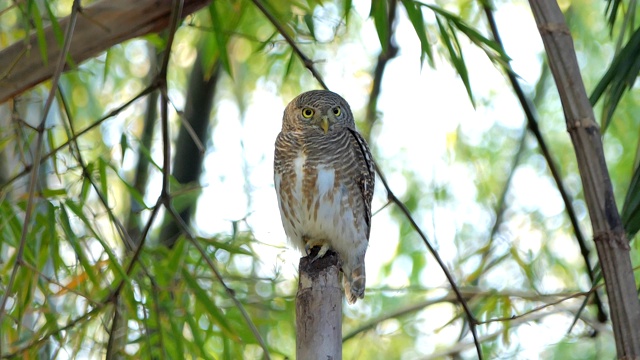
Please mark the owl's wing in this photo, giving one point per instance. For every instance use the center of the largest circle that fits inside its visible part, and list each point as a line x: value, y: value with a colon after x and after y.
x: 365, y: 175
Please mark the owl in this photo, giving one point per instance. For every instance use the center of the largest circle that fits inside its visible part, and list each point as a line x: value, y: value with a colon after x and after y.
x: 324, y: 179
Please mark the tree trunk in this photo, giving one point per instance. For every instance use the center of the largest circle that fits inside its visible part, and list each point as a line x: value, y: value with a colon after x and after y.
x: 319, y: 308
x: 608, y: 232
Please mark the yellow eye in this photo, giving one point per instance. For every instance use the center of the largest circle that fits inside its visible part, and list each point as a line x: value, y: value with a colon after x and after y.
x: 337, y: 111
x: 307, y: 113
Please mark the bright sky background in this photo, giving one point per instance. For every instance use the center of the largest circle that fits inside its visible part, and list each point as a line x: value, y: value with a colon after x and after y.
x: 421, y: 110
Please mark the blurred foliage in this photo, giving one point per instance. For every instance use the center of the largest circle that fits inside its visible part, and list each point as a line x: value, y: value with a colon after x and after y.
x: 75, y: 255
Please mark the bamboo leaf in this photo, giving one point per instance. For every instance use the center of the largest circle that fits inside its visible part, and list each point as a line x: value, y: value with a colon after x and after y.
x: 414, y: 12
x: 124, y: 146
x: 287, y: 70
x: 308, y: 20
x: 346, y: 9
x: 47, y: 193
x: 209, y: 306
x: 104, y: 187
x: 619, y: 77
x: 55, y: 25
x: 379, y: 12
x: 37, y: 21
x: 219, y: 38
x: 233, y: 249
x: 612, y: 12
x: 631, y: 209
x: 77, y: 210
x: 74, y: 241
x: 455, y: 55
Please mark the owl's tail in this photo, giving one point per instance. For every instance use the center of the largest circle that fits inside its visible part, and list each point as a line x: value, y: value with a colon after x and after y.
x: 354, y: 284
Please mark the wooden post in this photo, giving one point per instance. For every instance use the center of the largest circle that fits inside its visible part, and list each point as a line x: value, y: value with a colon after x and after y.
x: 319, y: 308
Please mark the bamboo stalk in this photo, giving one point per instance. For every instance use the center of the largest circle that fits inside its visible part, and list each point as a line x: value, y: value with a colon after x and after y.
x: 99, y: 26
x: 319, y: 308
x: 609, y: 236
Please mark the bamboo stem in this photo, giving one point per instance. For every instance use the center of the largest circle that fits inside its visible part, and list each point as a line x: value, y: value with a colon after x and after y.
x: 610, y: 239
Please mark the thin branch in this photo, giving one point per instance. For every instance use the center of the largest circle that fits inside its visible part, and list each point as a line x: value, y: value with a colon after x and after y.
x: 75, y: 149
x: 45, y: 337
x: 55, y: 282
x: 38, y: 153
x: 403, y: 208
x: 532, y: 125
x: 461, y: 346
x: 218, y: 276
x: 398, y: 313
x: 113, y: 348
x: 538, y: 308
x: 388, y: 52
x: 114, y: 112
x: 308, y: 63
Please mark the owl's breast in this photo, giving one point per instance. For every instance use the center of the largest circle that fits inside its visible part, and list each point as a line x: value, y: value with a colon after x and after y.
x: 314, y: 203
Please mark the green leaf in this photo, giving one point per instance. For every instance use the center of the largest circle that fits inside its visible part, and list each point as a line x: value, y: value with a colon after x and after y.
x: 47, y: 193
x: 287, y: 70
x: 455, y: 55
x: 37, y: 21
x: 308, y: 20
x: 219, y: 38
x: 209, y: 306
x: 346, y: 9
x: 113, y: 259
x: 631, y: 208
x: 124, y: 146
x: 233, y: 249
x: 104, y: 186
x: 74, y: 241
x: 52, y: 145
x: 379, y: 12
x: 55, y: 25
x: 417, y: 20
x: 108, y: 58
x: 612, y: 12
x: 620, y: 77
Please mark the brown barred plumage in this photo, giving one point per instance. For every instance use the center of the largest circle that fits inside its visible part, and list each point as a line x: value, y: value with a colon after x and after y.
x: 324, y: 178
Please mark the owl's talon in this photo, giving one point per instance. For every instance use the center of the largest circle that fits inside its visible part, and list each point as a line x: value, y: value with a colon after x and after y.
x: 321, y: 253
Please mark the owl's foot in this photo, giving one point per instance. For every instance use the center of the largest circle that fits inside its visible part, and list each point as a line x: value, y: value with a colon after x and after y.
x: 324, y: 247
x: 323, y: 250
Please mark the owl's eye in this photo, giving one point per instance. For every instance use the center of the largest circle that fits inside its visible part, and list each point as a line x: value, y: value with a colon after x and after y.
x: 307, y: 113
x: 337, y: 111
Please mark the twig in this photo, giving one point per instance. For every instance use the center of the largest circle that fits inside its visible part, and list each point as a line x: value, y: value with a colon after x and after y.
x: 472, y: 320
x: 38, y: 153
x: 538, y: 308
x: 308, y: 63
x: 398, y: 313
x: 460, y: 346
x: 164, y: 198
x: 218, y: 276
x: 124, y: 235
x: 114, y: 112
x: 54, y: 281
x: 46, y: 336
x: 532, y: 125
x: 387, y: 53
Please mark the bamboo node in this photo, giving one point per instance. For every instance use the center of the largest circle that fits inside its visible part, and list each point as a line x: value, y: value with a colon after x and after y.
x: 612, y: 238
x: 551, y: 28
x: 580, y: 122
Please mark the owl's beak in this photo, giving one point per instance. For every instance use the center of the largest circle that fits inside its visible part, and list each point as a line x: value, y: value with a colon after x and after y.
x: 324, y: 124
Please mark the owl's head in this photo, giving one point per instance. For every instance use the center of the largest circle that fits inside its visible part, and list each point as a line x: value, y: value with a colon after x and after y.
x: 318, y: 112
